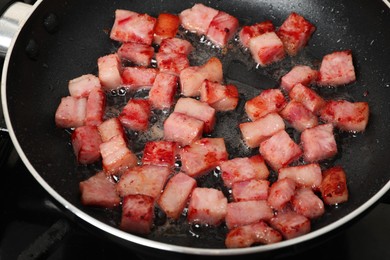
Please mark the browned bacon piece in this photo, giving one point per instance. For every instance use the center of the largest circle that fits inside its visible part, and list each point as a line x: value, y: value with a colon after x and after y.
x: 334, y: 188
x: 166, y: 27
x: 290, y: 224
x: 222, y: 28
x: 281, y: 192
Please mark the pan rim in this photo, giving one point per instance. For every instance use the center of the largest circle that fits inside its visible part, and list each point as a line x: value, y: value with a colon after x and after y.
x: 148, y: 242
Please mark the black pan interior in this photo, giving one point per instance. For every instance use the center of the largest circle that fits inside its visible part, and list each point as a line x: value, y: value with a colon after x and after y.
x: 45, y: 57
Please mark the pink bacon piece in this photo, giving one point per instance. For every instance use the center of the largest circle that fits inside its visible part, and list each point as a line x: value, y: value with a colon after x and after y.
x: 110, y: 69
x: 171, y: 62
x: 250, y: 190
x: 308, y: 175
x: 198, y: 18
x: 83, y: 85
x: 221, y: 97
x: 137, y: 53
x: 299, y: 116
x: 308, y: 97
x: 135, y: 114
x: 270, y: 100
x: 308, y: 204
x: 290, y: 224
x: 255, y: 211
x: 222, y: 28
x: 299, y: 74
x: 166, y: 27
x: 96, y: 105
x: 160, y: 153
x: 110, y: 128
x: 248, y: 32
x: 266, y: 48
x: 176, y: 45
x: 86, y: 141
x: 136, y: 78
x: 71, y: 112
x: 182, y: 128
x: 162, y: 93
x: 280, y: 193
x: 334, y: 188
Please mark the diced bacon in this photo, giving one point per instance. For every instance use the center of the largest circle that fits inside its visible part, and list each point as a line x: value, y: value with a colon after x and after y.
x: 345, y: 115
x: 133, y: 27
x: 96, y: 105
x: 176, y: 45
x: 299, y: 116
x: 248, y: 32
x: 334, y: 188
x: 337, y: 69
x: 162, y: 93
x: 202, y: 156
x: 207, y: 206
x: 137, y: 214
x: 85, y: 142
x: 243, y: 169
x: 222, y: 28
x: 135, y: 114
x: 280, y: 150
x: 257, y: 233
x: 171, y: 62
x: 99, y: 190
x: 83, y: 85
x: 221, y: 97
x: 308, y: 204
x: 291, y: 224
x: 318, y: 143
x: 197, y: 109
x: 260, y: 130
x: 298, y: 74
x: 159, y: 153
x: 71, y: 112
x: 266, y: 48
x: 191, y: 78
x: 295, y: 33
x: 270, y: 100
x: 138, y: 77
x: 308, y: 97
x: 116, y: 156
x: 110, y: 70
x: 280, y: 193
x: 146, y: 179
x: 250, y: 190
x: 308, y: 175
x: 166, y: 26
x: 255, y: 211
x: 111, y: 128
x: 137, y: 53
x: 198, y: 18
x: 175, y: 196
x: 182, y: 129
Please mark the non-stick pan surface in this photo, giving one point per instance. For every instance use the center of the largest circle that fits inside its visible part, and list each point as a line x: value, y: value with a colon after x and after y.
x: 63, y: 39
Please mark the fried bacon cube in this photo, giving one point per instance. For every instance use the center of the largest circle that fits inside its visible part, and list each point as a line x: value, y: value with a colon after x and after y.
x: 161, y: 153
x: 308, y: 97
x: 182, y: 128
x: 250, y: 190
x: 250, y: 31
x: 162, y: 93
x: 166, y: 27
x: 281, y: 192
x: 270, y: 100
x: 111, y: 128
x: 137, y: 53
x: 334, y: 188
x: 308, y: 204
x: 172, y: 62
x: 290, y: 224
x: 135, y: 114
x: 86, y: 141
x: 255, y: 210
x: 222, y: 28
x: 266, y: 48
x: 176, y: 45
x: 298, y: 74
x: 136, y: 78
x: 96, y: 105
x: 71, y: 112
x: 298, y: 116
x: 219, y: 96
x: 198, y: 18
x: 109, y: 71
x: 308, y: 175
x: 83, y: 85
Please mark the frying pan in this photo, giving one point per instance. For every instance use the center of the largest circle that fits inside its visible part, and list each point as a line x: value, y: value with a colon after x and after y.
x: 62, y: 40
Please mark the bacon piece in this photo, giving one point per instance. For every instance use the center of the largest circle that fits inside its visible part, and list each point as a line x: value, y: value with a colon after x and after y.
x: 255, y: 211
x: 182, y: 129
x: 270, y: 100
x: 299, y: 116
x: 207, y: 206
x: 171, y: 62
x: 221, y: 97
x: 290, y: 224
x: 250, y: 190
x: 260, y: 130
x: 257, y: 233
x: 136, y: 78
x: 298, y: 74
x: 222, y: 28
x: 308, y: 175
x: 110, y: 69
x: 176, y: 45
x: 248, y: 32
x: 197, y: 109
x: 85, y: 142
x: 280, y: 150
x: 135, y: 115
x: 96, y: 104
x: 306, y: 203
x: 99, y: 190
x: 202, y: 156
x: 161, y: 95
x: 176, y: 194
x: 137, y: 214
x: 71, y: 112
x: 146, y: 180
x: 308, y: 97
x: 281, y: 192
x: 318, y: 143
x: 198, y: 18
x: 160, y: 153
x: 334, y: 188
x: 117, y: 157
x: 345, y: 115
x: 191, y: 78
x: 83, y: 85
x: 337, y: 69
x: 166, y: 26
x: 111, y: 128
x: 266, y: 48
x: 242, y: 169
x: 139, y: 54
x: 132, y: 27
